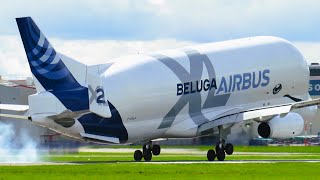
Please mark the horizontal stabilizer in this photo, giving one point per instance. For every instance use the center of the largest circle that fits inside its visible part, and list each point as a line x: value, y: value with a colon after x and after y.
x: 105, y: 139
x: 13, y: 116
x: 14, y: 107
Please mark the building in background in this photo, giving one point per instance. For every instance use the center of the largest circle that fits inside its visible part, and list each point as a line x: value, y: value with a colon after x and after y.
x: 314, y: 91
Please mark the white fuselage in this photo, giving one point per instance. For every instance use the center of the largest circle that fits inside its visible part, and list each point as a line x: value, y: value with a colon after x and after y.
x: 153, y: 93
x: 194, y: 91
x: 170, y: 94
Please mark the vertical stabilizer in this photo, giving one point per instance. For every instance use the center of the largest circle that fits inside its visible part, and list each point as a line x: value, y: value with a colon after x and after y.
x: 45, y: 63
x: 50, y: 72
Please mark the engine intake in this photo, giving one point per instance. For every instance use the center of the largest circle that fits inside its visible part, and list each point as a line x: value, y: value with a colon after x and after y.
x: 286, y: 127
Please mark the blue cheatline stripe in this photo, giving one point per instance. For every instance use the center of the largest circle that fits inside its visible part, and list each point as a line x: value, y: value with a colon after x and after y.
x: 46, y: 65
x: 111, y: 127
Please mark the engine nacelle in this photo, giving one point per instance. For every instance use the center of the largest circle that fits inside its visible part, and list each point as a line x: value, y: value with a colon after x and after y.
x: 287, y: 127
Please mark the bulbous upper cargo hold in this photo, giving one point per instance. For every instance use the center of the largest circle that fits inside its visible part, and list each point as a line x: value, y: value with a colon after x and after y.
x: 225, y: 67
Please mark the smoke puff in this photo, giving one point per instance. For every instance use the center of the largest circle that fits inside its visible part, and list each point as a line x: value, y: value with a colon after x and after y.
x: 17, y: 148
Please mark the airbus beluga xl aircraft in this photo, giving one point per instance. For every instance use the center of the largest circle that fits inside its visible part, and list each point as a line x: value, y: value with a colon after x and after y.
x: 183, y: 93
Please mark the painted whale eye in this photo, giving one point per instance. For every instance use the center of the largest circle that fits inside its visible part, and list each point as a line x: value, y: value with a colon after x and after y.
x: 277, y: 88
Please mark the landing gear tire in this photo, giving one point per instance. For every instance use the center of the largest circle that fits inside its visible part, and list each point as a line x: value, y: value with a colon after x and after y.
x: 147, y: 155
x: 156, y: 150
x: 138, y: 155
x: 211, y: 155
x: 229, y: 149
x: 147, y: 151
x: 221, y: 156
x: 220, y: 152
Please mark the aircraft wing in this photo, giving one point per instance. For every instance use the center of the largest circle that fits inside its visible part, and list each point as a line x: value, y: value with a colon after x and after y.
x: 281, y: 110
x: 14, y: 107
x: 257, y: 114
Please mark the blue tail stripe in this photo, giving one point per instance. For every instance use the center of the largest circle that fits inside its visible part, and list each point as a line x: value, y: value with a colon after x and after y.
x: 31, y: 35
x: 42, y: 64
x: 34, y: 34
x: 48, y: 68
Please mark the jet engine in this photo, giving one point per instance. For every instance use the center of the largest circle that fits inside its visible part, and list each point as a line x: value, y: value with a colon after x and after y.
x: 282, y: 127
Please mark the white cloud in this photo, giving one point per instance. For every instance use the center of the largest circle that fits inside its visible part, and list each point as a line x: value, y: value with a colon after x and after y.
x: 166, y: 23
x: 12, y: 56
x: 310, y: 50
x: 194, y: 20
x: 13, y: 60
x: 102, y: 51
x: 162, y: 7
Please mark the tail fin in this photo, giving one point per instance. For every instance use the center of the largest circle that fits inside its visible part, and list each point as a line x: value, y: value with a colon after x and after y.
x: 45, y: 63
x: 50, y: 72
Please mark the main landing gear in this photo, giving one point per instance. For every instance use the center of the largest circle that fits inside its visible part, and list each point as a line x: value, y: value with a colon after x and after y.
x: 147, y: 151
x: 221, y: 148
x: 220, y: 151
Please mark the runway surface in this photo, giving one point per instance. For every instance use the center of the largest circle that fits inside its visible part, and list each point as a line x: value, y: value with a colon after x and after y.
x: 161, y: 162
x: 188, y: 151
x: 124, y: 156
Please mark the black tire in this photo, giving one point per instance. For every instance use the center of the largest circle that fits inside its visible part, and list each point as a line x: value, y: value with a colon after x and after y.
x: 211, y: 155
x: 138, y: 155
x: 221, y: 155
x: 218, y: 149
x: 229, y: 148
x: 147, y: 155
x: 156, y: 150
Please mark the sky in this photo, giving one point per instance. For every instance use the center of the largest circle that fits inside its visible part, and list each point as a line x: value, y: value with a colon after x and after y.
x: 96, y: 31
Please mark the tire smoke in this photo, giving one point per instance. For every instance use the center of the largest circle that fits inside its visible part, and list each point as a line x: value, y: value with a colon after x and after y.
x: 17, y: 147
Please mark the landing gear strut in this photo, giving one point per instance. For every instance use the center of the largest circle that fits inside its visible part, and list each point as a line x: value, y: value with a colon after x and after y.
x: 220, y: 151
x: 147, y: 154
x: 148, y: 150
